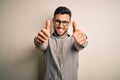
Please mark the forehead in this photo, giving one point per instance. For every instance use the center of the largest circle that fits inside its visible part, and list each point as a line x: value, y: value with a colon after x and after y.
x: 62, y: 17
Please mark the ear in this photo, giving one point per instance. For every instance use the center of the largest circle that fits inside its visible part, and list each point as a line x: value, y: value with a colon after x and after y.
x: 53, y: 20
x: 70, y: 23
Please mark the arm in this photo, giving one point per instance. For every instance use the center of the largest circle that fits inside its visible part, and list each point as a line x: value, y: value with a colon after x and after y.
x: 80, y: 39
x: 41, y: 40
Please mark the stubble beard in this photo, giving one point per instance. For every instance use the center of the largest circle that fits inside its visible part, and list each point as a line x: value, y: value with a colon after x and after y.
x: 64, y: 33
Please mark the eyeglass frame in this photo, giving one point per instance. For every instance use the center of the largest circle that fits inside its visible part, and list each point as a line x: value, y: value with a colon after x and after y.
x: 58, y: 22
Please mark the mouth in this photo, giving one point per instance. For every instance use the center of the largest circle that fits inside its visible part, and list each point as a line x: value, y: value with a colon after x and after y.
x: 60, y: 30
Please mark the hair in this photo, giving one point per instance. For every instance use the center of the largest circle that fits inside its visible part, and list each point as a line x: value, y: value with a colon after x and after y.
x: 62, y: 10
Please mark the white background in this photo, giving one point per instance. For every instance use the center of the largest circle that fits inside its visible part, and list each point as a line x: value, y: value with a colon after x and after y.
x: 20, y: 21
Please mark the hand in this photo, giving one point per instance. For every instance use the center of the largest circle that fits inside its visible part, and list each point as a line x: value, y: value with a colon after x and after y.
x: 44, y: 34
x: 79, y: 36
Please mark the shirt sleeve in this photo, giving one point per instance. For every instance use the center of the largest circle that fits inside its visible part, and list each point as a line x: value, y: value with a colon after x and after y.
x: 39, y: 46
x: 80, y: 47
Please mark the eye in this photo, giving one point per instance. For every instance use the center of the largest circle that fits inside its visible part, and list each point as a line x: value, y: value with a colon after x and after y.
x: 57, y: 21
x: 64, y: 22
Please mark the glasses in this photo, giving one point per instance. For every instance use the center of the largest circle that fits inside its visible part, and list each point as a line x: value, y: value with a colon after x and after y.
x: 58, y: 22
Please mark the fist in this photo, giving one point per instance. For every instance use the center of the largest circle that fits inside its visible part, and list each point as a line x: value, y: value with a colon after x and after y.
x: 79, y: 36
x: 44, y: 34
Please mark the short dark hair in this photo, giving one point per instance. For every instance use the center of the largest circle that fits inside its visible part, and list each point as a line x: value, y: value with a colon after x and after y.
x: 62, y: 10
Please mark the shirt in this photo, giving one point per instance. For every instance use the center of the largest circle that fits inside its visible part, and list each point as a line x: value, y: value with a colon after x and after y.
x: 61, y: 57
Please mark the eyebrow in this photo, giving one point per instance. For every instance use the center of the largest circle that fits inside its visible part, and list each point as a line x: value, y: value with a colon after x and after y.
x: 60, y: 20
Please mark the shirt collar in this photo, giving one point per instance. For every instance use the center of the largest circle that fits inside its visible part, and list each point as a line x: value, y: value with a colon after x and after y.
x: 55, y: 35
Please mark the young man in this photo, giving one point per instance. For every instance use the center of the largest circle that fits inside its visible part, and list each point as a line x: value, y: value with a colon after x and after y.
x: 60, y: 49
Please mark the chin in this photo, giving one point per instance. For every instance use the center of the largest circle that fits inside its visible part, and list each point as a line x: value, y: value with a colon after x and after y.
x: 61, y: 34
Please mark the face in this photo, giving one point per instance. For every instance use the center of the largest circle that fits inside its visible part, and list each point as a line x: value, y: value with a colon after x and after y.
x: 61, y: 23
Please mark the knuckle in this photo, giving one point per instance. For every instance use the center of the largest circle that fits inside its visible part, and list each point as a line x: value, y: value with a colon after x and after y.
x: 38, y: 41
x: 42, y: 30
x: 38, y: 33
x: 41, y: 33
x: 37, y: 37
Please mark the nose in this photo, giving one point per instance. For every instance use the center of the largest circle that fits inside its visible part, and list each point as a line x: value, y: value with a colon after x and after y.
x: 60, y: 24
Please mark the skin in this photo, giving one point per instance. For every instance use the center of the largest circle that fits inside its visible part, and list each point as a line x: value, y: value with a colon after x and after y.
x: 61, y: 30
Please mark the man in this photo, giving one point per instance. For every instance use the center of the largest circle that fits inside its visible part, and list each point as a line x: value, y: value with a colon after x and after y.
x: 60, y: 49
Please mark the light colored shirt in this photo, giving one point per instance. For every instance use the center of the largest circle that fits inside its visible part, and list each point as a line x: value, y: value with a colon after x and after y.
x: 61, y: 57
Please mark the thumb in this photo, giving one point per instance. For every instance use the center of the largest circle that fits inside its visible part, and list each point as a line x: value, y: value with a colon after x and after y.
x: 74, y: 26
x: 48, y: 25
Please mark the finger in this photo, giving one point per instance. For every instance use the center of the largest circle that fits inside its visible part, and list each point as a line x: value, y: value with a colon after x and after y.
x: 82, y: 42
x: 41, y: 39
x: 47, y: 34
x: 84, y: 35
x: 75, y: 33
x: 48, y: 25
x: 74, y: 26
x: 80, y: 35
x: 40, y: 42
x: 42, y: 35
x: 78, y: 38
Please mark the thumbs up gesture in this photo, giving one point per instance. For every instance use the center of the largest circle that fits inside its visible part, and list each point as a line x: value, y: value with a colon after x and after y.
x: 79, y: 36
x: 44, y: 34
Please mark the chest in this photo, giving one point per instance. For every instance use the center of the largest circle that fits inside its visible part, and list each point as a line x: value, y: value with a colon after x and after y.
x: 61, y: 48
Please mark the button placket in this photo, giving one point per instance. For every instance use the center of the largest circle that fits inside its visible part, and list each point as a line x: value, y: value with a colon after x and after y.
x: 61, y: 56
x: 61, y: 59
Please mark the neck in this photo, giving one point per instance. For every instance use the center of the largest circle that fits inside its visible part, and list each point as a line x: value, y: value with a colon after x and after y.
x: 62, y: 36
